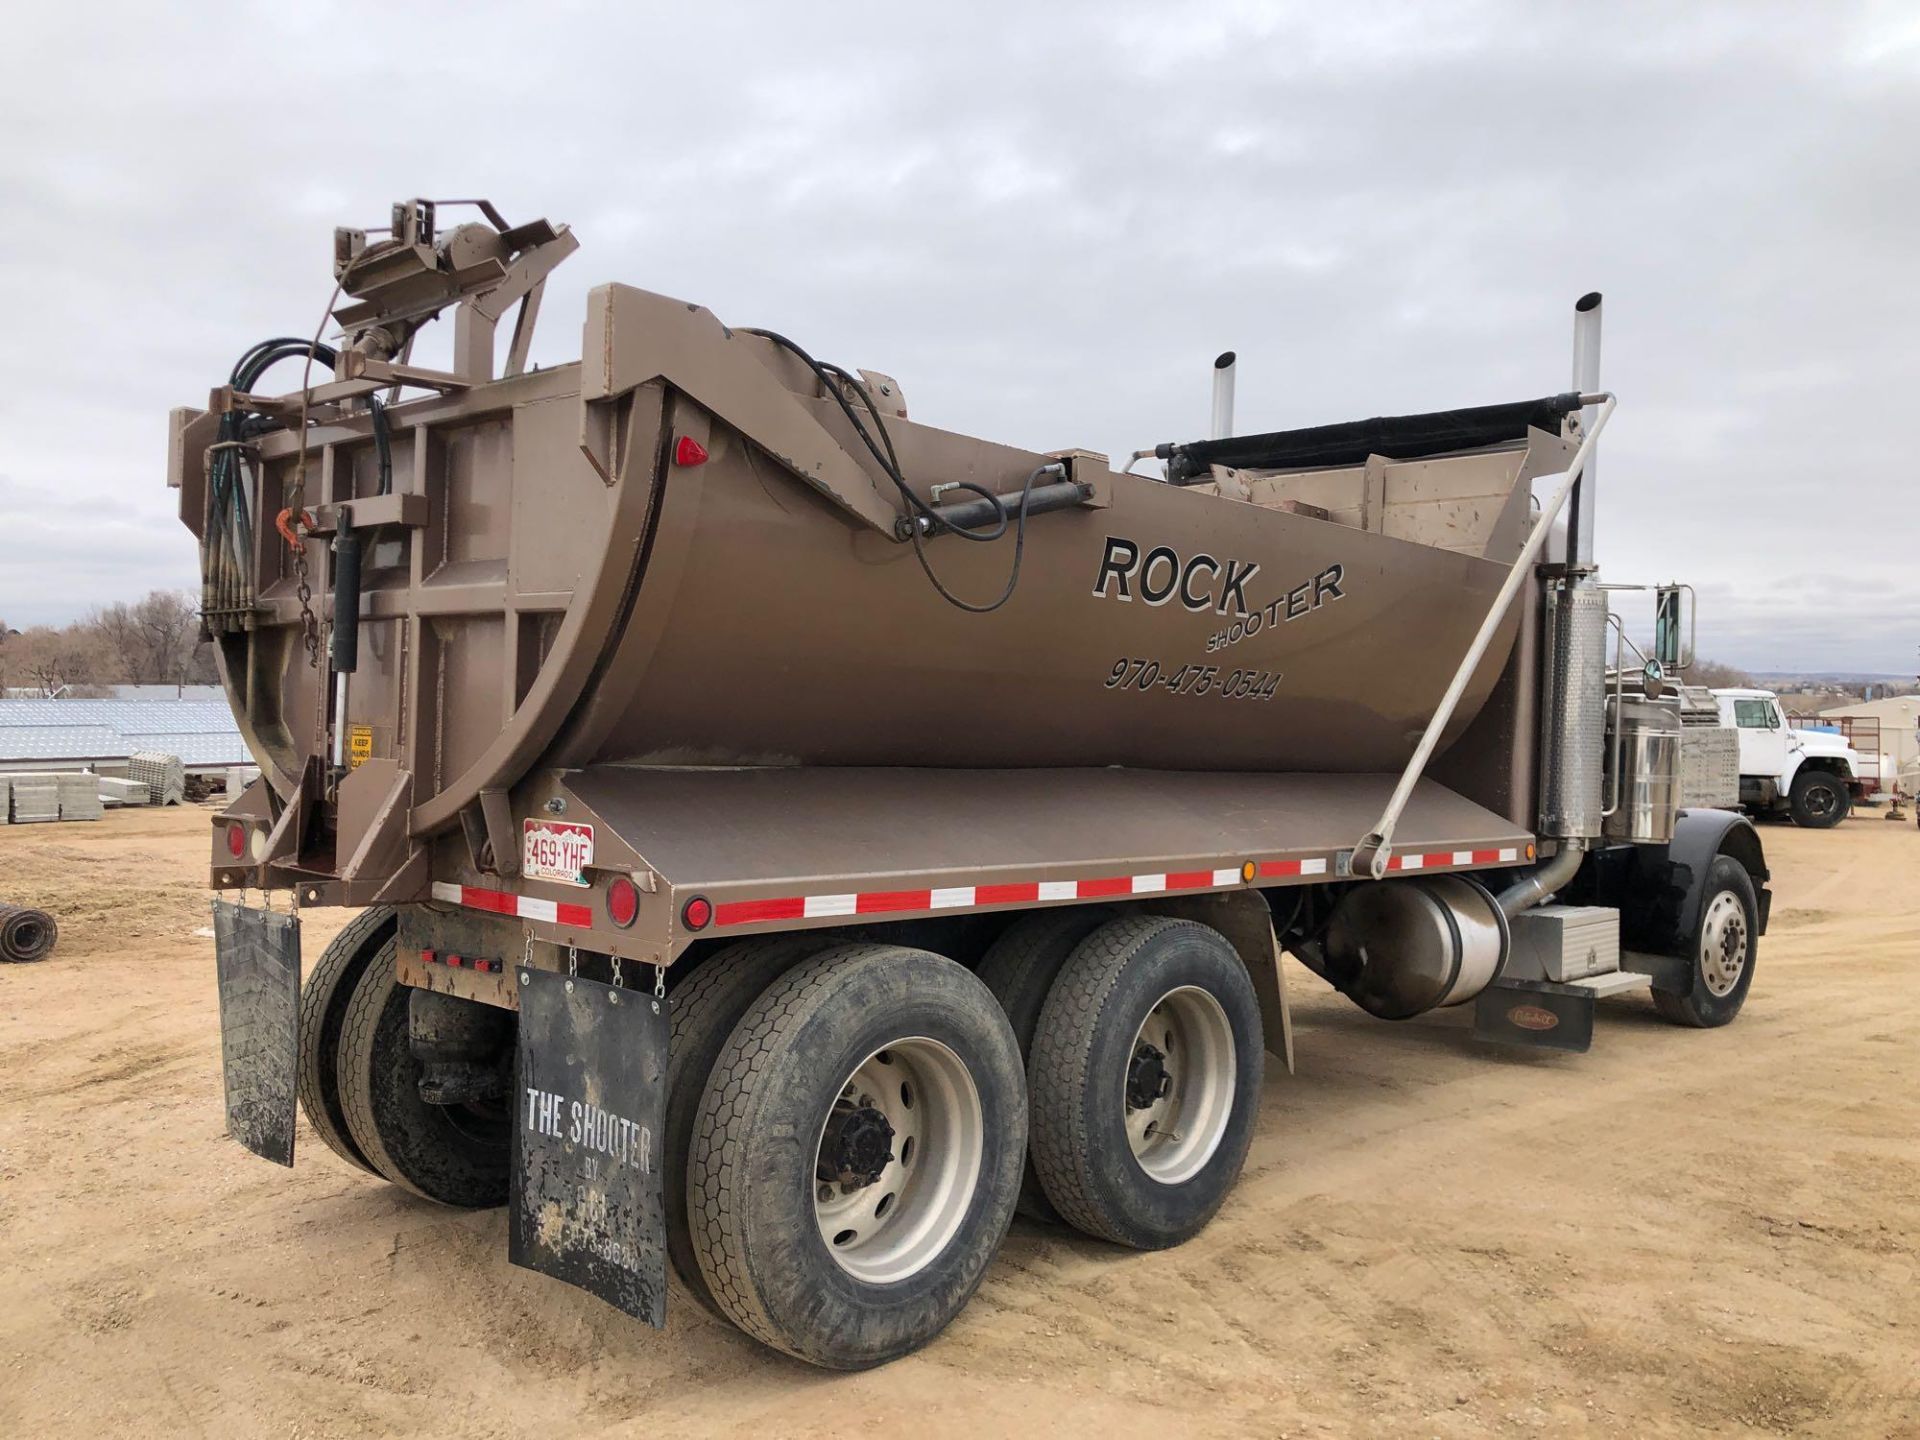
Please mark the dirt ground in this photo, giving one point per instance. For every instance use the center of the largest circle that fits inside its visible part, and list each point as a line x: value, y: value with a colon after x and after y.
x: 1679, y: 1232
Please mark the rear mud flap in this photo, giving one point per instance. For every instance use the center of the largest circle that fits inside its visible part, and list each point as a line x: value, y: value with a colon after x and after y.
x: 1540, y: 1014
x: 257, y: 957
x: 588, y: 1205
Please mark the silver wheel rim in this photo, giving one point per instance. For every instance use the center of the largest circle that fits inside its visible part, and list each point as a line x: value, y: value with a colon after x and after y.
x: 1723, y: 943
x: 893, y: 1226
x: 1187, y: 1039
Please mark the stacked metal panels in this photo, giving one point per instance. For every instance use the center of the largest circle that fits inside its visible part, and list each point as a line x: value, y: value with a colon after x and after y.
x: 35, y: 798
x: 164, y: 776
x: 79, y: 795
x: 123, y: 792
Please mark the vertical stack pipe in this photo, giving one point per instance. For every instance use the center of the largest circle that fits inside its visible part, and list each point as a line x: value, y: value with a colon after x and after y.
x: 1586, y: 380
x: 1574, y: 738
x: 1223, y: 368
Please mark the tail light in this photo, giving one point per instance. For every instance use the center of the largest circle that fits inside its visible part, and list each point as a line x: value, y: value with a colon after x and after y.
x: 623, y: 902
x: 697, y: 913
x: 689, y: 451
x: 236, y: 840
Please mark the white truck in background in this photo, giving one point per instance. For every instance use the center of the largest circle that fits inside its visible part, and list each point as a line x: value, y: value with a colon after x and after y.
x: 1813, y: 775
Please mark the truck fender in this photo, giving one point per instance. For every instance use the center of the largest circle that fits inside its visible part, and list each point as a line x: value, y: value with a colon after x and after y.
x: 1661, y: 904
x: 1244, y: 918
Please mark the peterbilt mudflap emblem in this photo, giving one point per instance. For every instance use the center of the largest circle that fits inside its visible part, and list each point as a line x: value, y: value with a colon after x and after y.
x: 556, y: 850
x: 256, y: 956
x: 588, y: 1205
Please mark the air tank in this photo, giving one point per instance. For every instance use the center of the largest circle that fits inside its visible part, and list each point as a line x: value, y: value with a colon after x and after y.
x: 644, y: 559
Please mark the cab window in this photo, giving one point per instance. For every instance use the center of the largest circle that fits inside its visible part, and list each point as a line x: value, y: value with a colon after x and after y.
x: 1754, y: 715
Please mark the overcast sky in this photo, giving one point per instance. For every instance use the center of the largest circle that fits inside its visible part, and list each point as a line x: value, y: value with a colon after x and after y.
x: 1045, y: 220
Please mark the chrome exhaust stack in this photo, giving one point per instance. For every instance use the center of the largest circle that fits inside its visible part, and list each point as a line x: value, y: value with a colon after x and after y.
x: 1586, y: 379
x: 1224, y: 366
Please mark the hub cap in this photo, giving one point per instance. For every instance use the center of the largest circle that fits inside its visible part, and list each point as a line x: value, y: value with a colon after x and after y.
x: 898, y: 1158
x: 1179, y: 1085
x: 1723, y: 943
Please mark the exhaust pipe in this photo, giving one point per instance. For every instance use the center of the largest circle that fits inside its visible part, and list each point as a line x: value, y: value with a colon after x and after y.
x: 1586, y: 379
x: 1541, y: 886
x: 1223, y: 368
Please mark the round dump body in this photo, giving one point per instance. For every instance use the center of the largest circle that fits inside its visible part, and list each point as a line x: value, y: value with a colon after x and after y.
x: 522, y: 607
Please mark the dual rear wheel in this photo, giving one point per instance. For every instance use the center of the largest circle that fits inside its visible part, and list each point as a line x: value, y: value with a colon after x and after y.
x: 857, y: 1150
x: 359, y: 1083
x: 847, y: 1124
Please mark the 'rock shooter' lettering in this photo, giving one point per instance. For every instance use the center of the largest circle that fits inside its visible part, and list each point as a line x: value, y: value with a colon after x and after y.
x: 1202, y: 582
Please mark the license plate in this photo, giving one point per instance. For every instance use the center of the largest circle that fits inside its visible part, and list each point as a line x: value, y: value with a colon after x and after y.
x: 257, y: 958
x: 556, y: 850
x: 588, y: 1204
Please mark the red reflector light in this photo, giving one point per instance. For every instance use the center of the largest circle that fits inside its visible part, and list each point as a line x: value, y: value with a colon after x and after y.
x: 689, y: 451
x: 697, y: 913
x: 623, y: 901
x: 236, y: 840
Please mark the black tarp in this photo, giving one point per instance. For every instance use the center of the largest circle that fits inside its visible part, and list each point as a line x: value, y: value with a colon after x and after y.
x: 1398, y: 437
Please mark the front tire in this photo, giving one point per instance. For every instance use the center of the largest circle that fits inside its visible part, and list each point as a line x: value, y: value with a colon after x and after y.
x: 857, y: 1155
x: 454, y: 1154
x: 1145, y: 1079
x: 1819, y: 799
x: 1725, y: 944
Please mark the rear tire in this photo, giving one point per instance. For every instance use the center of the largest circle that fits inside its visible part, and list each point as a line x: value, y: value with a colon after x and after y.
x: 323, y: 1009
x: 1146, y: 1074
x: 454, y: 1154
x: 1819, y: 799
x: 896, y: 1070
x: 1019, y: 968
x: 1726, y: 942
x: 702, y: 1012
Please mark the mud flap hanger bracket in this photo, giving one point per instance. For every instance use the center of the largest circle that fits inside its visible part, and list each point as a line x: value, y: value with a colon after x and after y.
x: 1371, y: 854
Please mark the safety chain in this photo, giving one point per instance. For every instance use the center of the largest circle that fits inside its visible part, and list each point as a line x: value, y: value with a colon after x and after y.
x: 309, y: 622
x: 619, y: 981
x: 659, y: 982
x: 573, y: 963
x: 526, y: 953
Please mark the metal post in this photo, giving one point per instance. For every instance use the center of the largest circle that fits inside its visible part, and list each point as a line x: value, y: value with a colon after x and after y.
x: 1586, y: 379
x: 1223, y: 368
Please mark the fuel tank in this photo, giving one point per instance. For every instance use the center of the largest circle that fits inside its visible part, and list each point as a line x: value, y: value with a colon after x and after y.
x: 678, y: 552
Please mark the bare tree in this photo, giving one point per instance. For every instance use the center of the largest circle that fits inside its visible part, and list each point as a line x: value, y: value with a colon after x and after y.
x: 170, y: 621
x: 152, y: 641
x: 1717, y: 676
x: 120, y: 636
x: 53, y: 661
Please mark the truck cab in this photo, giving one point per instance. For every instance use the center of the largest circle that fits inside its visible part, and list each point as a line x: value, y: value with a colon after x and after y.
x: 1814, y: 776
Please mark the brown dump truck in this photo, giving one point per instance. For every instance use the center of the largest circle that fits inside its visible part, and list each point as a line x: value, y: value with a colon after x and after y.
x: 789, y: 838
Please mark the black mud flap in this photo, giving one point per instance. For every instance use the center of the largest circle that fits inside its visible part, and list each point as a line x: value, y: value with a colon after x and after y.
x: 257, y: 957
x: 588, y: 1204
x: 1537, y: 1013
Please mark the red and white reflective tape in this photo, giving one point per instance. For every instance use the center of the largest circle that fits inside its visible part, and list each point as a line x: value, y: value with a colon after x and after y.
x: 967, y: 897
x: 1439, y: 859
x: 518, y: 907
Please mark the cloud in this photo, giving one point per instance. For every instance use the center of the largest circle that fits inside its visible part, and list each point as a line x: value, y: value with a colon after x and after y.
x: 1045, y: 220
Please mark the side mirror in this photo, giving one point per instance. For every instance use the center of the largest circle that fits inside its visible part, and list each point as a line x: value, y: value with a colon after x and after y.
x: 1667, y: 647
